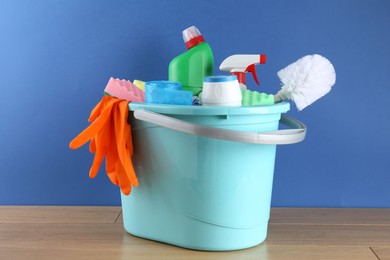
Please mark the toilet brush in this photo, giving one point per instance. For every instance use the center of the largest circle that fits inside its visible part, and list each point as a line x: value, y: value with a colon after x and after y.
x: 306, y: 80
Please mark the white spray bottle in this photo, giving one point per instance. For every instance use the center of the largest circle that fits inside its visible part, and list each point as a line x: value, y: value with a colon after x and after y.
x: 240, y: 64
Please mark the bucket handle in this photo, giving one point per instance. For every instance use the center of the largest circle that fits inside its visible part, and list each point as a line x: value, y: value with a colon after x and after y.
x: 287, y: 136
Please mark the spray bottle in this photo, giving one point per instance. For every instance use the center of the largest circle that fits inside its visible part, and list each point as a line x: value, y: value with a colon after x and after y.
x: 240, y: 64
x: 192, y: 66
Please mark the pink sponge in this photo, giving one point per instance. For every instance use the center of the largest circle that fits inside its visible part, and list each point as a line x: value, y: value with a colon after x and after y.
x: 124, y: 89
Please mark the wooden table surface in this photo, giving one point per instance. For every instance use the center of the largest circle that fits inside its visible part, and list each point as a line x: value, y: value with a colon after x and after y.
x: 28, y: 232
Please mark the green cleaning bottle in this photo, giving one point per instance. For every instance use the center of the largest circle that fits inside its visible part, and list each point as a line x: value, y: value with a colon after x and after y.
x: 197, y: 62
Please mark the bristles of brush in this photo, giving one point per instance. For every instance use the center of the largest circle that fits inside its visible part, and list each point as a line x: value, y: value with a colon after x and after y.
x: 306, y: 80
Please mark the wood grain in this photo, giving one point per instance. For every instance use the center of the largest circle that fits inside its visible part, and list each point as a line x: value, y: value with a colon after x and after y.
x: 346, y: 235
x: 56, y: 214
x: 96, y: 233
x: 160, y: 251
x: 110, y: 241
x: 330, y: 216
x: 383, y: 253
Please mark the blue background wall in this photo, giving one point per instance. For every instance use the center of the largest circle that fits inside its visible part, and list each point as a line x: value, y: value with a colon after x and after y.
x: 57, y: 56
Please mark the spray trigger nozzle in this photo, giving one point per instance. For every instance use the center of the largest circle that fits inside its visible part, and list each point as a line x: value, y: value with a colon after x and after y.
x: 240, y: 64
x: 252, y: 69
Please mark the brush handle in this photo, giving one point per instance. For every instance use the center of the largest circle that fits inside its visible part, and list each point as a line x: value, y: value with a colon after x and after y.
x: 280, y: 96
x: 277, y: 98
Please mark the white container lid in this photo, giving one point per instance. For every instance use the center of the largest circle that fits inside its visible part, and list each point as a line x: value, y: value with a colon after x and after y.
x: 221, y: 91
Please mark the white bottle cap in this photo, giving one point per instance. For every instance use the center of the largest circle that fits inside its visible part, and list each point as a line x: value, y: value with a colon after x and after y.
x: 190, y: 33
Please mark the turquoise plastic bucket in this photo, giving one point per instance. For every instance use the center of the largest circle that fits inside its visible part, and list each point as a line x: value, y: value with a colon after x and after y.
x: 199, y: 192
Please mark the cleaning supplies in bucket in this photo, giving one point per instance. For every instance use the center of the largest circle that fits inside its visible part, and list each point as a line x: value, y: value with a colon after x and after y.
x: 139, y: 84
x: 124, y: 89
x: 201, y: 186
x: 240, y: 64
x: 166, y: 92
x: 221, y: 91
x: 306, y: 80
x: 255, y: 98
x: 196, y: 63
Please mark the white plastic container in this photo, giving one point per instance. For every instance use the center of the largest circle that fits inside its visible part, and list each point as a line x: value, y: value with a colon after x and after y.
x: 221, y: 91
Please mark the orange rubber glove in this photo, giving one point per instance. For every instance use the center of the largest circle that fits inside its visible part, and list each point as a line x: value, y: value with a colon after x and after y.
x: 110, y: 137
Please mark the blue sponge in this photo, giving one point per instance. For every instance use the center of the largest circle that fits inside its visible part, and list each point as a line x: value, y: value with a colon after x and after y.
x: 167, y: 92
x: 165, y: 84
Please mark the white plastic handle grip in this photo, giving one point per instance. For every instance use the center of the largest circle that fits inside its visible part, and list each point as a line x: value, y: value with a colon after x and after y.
x: 288, y: 136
